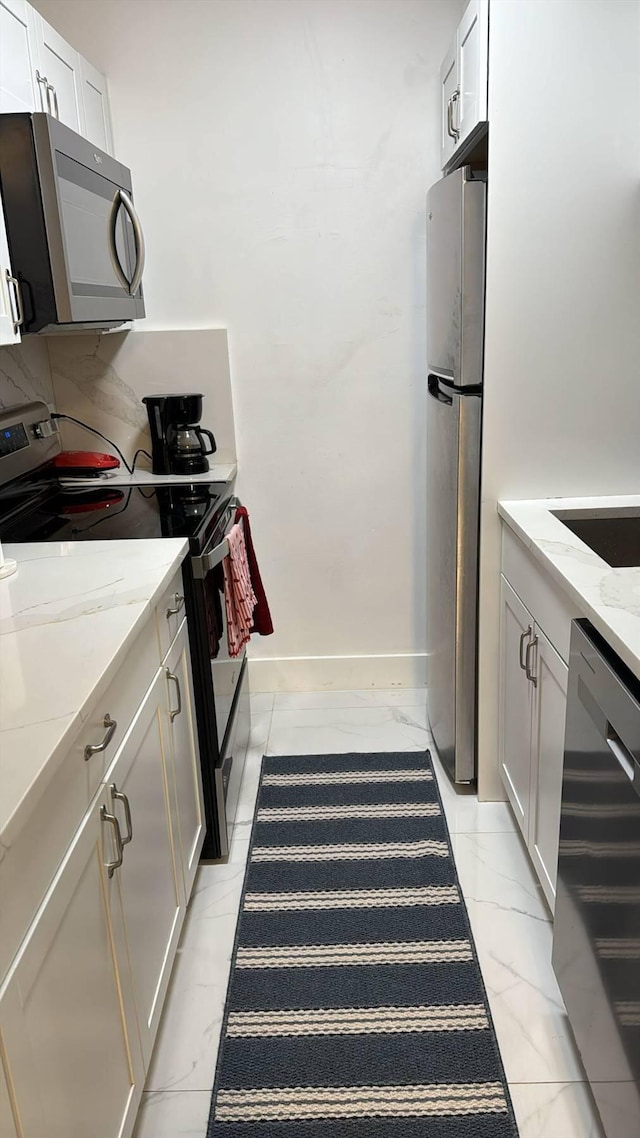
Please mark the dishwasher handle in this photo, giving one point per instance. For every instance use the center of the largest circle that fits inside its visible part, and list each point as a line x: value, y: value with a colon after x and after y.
x: 621, y: 753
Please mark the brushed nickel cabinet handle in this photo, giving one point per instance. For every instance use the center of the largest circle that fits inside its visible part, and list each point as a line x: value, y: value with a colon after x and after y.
x: 450, y: 130
x: 455, y: 101
x: 178, y: 602
x: 524, y: 637
x: 15, y: 293
x: 111, y: 866
x: 172, y: 676
x: 43, y: 84
x: 120, y: 796
x: 530, y: 675
x: 56, y: 109
x: 95, y: 748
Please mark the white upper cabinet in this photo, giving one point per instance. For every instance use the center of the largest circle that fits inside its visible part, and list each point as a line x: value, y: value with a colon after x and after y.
x: 17, y: 70
x: 463, y: 77
x: 40, y: 71
x: 57, y: 73
x: 449, y: 90
x: 95, y: 98
x: 473, y: 47
x: 11, y: 314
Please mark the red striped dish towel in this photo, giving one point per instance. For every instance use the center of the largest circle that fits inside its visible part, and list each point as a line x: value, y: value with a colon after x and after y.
x: 239, y: 597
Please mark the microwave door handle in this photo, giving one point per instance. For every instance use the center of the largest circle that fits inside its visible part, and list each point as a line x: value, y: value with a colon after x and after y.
x: 139, y: 240
x: 113, y: 251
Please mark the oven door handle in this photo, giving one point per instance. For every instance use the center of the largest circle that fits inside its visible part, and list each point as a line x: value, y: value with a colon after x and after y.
x: 207, y: 561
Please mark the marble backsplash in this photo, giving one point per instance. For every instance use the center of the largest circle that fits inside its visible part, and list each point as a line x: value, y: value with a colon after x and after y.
x: 102, y: 379
x: 25, y: 373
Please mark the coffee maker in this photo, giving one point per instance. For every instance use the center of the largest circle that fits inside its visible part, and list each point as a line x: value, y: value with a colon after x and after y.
x: 177, y: 440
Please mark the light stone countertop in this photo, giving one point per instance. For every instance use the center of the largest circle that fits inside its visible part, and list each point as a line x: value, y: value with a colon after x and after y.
x: 217, y: 472
x: 609, y: 598
x: 68, y: 617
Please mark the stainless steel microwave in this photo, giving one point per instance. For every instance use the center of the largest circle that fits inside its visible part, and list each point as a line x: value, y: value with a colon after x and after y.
x: 75, y: 239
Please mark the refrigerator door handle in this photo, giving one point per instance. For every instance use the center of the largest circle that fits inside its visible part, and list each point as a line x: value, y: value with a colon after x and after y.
x: 433, y: 385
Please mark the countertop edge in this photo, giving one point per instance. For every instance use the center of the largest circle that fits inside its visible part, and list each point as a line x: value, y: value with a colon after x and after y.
x: 506, y: 510
x: 43, y: 778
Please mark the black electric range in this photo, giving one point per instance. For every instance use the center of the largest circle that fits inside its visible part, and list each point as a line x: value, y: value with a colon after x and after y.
x: 35, y: 506
x: 41, y: 509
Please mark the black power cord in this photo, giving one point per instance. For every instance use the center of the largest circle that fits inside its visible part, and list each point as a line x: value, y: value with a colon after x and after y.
x: 79, y: 423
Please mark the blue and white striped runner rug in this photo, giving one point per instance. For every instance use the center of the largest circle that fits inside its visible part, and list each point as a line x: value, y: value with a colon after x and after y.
x: 356, y: 1007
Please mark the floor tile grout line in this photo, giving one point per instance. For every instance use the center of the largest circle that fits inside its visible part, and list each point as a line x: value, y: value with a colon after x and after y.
x: 550, y: 1083
x: 267, y: 740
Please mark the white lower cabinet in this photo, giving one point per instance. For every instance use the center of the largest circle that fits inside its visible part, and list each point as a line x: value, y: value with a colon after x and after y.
x: 189, y: 825
x: 547, y: 749
x: 68, y: 1022
x: 82, y: 999
x: 516, y: 699
x: 533, y: 691
x: 150, y: 892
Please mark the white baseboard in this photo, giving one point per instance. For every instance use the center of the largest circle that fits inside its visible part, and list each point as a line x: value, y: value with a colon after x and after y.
x: 338, y: 673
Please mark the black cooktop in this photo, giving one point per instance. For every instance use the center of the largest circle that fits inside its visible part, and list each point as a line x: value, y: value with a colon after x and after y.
x: 44, y: 511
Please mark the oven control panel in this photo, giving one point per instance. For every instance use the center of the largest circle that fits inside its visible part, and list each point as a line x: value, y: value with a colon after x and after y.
x: 29, y: 437
x: 13, y: 438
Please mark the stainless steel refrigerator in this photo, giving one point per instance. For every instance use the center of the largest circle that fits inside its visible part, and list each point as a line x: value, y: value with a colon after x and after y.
x: 456, y: 211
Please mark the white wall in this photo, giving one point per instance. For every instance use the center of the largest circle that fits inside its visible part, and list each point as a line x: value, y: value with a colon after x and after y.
x: 562, y: 355
x: 281, y: 153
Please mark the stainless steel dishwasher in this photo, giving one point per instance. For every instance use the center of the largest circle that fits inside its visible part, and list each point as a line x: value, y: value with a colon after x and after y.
x: 596, y: 936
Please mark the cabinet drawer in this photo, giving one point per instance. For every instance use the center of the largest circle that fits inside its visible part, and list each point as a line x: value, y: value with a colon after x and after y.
x: 170, y: 614
x: 30, y: 864
x: 120, y: 701
x: 551, y: 609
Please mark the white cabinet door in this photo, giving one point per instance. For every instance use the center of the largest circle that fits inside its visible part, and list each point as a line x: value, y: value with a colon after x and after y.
x: 448, y: 94
x: 189, y: 829
x: 473, y: 46
x: 71, y: 1051
x: 516, y: 699
x: 547, y: 751
x: 95, y: 97
x: 10, y: 297
x: 150, y: 891
x: 58, y: 66
x: 17, y: 77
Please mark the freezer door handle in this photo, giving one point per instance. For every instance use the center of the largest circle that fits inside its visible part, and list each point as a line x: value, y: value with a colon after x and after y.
x: 433, y: 384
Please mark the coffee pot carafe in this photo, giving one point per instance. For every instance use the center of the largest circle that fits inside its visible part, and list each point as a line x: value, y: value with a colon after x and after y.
x: 188, y: 449
x: 177, y: 440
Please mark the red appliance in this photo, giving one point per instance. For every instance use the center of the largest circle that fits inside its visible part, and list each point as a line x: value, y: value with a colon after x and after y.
x: 83, y: 463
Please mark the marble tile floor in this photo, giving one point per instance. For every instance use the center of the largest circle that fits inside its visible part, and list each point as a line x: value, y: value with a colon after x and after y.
x: 509, y: 918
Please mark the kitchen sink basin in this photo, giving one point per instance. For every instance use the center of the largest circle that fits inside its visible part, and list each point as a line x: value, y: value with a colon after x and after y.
x: 614, y: 536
